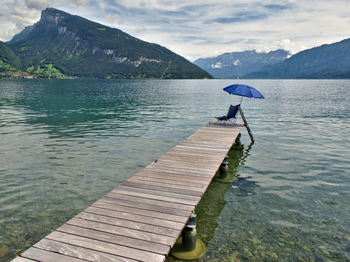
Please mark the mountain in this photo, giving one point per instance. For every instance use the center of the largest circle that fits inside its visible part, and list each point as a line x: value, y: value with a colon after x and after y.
x: 9, y: 62
x: 237, y: 64
x: 75, y: 46
x: 326, y: 61
x: 8, y: 56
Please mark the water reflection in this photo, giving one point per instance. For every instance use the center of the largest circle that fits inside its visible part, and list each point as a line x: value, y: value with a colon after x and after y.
x: 213, y: 201
x: 71, y: 141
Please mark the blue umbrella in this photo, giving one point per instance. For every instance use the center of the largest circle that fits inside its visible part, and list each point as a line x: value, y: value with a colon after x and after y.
x: 243, y: 90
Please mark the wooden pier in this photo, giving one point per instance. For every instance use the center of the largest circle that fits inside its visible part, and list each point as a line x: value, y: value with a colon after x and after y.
x: 141, y: 219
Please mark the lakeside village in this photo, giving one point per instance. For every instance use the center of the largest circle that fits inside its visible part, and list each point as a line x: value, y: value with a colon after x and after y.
x: 47, y: 71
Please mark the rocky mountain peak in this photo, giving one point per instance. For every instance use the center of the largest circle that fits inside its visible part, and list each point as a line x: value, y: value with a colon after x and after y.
x: 52, y: 16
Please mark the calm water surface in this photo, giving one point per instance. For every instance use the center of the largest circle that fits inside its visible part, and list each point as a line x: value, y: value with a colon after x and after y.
x: 65, y: 143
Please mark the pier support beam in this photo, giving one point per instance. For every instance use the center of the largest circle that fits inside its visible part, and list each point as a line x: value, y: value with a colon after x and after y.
x: 246, y: 124
x: 188, y: 247
x: 224, y: 168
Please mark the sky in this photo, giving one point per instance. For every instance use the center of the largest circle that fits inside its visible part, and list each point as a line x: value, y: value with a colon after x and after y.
x: 201, y: 28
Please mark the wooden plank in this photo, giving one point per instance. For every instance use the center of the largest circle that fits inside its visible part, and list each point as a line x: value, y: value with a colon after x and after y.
x: 128, y: 224
x: 22, y: 259
x: 164, y: 169
x: 122, y: 231
x: 177, y: 179
x: 184, y: 167
x: 174, y: 176
x: 152, y: 196
x: 105, y: 247
x: 201, y: 147
x: 143, y: 200
x: 195, y: 152
x: 155, y: 193
x: 139, y: 211
x: 176, y: 156
x: 188, y: 186
x: 172, y: 211
x: 134, y: 217
x: 167, y: 189
x: 200, y: 166
x: 173, y: 169
x: 78, y: 252
x: 115, y: 239
x: 205, y: 144
x: 47, y: 256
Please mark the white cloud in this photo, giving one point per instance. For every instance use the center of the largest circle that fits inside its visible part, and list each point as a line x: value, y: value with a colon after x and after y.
x: 202, y: 28
x: 38, y: 4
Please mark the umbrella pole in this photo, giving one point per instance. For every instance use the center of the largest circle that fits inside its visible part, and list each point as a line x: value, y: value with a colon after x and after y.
x: 246, y: 124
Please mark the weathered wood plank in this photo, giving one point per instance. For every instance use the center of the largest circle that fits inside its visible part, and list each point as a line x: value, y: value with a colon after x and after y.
x: 122, y: 231
x: 140, y: 211
x: 115, y: 239
x: 173, y: 169
x: 172, y: 199
x: 156, y: 193
x: 188, y: 186
x: 167, y: 189
x: 143, y: 200
x: 200, y: 166
x: 105, y: 247
x: 172, y: 211
x: 47, y: 256
x: 135, y: 217
x: 169, y: 170
x: 78, y: 252
x: 175, y: 176
x: 22, y: 259
x: 128, y: 224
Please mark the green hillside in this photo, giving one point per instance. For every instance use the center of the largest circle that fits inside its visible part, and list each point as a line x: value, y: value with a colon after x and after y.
x: 9, y: 62
x: 75, y: 46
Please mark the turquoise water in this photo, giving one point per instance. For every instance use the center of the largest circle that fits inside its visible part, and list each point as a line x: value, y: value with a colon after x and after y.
x: 65, y: 143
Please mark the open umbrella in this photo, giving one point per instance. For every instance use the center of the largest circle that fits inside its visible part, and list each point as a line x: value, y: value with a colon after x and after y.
x: 247, y: 91
x: 243, y: 90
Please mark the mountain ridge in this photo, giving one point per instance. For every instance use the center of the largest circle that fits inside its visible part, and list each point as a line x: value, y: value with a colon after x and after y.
x: 321, y: 62
x: 237, y: 64
x: 79, y: 47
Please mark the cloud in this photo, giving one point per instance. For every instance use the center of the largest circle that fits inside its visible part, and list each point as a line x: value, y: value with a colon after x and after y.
x: 239, y: 18
x: 201, y: 28
x: 38, y: 4
x: 276, y: 7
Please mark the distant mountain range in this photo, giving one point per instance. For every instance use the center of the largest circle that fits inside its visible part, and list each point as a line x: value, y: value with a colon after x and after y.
x: 326, y: 61
x: 238, y: 64
x: 61, y: 45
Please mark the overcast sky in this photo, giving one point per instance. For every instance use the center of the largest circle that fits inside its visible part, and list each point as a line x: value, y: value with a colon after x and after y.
x: 201, y: 28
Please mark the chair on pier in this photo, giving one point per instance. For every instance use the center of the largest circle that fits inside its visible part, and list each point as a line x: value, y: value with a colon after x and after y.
x: 232, y: 112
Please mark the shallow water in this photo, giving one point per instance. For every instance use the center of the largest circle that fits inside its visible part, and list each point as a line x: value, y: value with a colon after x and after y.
x: 65, y: 143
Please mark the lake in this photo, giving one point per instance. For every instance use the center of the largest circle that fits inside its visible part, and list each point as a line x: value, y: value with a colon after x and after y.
x: 65, y: 143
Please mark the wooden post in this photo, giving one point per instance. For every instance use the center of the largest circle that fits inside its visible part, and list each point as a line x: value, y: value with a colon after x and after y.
x: 246, y: 124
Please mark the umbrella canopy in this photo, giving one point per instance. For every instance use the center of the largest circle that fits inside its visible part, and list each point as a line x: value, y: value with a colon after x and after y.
x: 243, y: 90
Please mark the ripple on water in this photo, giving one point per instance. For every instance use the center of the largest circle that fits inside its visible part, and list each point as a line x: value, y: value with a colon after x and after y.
x: 65, y: 144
